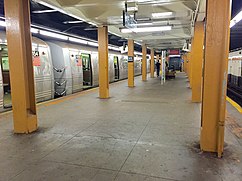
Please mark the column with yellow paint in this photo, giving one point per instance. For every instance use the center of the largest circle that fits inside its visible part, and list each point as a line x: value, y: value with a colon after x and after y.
x: 17, y: 14
x: 103, y: 62
x: 144, y: 62
x: 216, y: 53
x: 130, y: 63
x: 197, y: 62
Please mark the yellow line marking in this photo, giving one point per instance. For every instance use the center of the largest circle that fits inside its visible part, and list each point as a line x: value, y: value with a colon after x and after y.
x: 65, y: 98
x: 236, y: 106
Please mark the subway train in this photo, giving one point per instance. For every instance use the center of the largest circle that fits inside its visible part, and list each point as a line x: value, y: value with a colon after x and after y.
x: 235, y: 76
x: 62, y: 68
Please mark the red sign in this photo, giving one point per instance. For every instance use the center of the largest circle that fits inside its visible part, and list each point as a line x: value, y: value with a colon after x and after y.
x: 174, y: 52
x: 79, y: 62
x: 36, y: 61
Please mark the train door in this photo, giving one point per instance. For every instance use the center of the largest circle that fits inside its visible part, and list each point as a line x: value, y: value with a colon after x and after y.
x: 76, y: 71
x: 7, y: 101
x: 87, y: 70
x: 116, y: 68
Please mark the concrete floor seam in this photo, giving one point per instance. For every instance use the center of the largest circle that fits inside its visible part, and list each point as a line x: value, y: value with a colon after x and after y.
x: 133, y: 147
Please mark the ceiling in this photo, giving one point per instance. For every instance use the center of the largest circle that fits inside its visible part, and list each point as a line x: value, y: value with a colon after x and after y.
x: 236, y: 31
x: 109, y: 12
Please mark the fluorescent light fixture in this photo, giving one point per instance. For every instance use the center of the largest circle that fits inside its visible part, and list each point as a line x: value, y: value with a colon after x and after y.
x: 137, y: 43
x: 91, y: 23
x: 77, y: 40
x: 174, y: 55
x: 143, y: 19
x: 147, y: 29
x: 34, y: 30
x: 113, y: 48
x: 72, y: 22
x: 160, y: 15
x: 92, y: 44
x: 236, y: 19
x: 53, y: 35
x: 44, y: 11
x: 132, y: 9
x: 144, y: 24
x: 137, y: 53
x: 3, y: 23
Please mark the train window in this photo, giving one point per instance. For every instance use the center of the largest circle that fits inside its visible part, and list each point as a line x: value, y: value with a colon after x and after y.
x: 86, y: 63
x: 5, y: 64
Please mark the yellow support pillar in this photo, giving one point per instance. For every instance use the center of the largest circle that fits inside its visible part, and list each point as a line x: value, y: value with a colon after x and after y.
x: 144, y: 63
x: 17, y: 15
x: 131, y: 63
x: 197, y: 62
x: 191, y: 63
x: 152, y: 64
x: 103, y: 62
x: 215, y: 75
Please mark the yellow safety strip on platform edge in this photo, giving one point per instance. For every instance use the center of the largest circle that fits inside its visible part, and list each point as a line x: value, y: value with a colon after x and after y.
x: 236, y: 106
x: 65, y: 98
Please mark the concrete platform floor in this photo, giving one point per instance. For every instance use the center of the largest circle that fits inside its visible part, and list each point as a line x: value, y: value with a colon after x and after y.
x: 150, y: 132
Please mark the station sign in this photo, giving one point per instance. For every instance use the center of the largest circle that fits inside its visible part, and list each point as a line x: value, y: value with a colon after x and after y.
x: 130, y: 59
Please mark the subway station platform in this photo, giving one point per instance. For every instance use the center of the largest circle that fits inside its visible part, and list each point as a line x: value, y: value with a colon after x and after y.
x: 150, y: 132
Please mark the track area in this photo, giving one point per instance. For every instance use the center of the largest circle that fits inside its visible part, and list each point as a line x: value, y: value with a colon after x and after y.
x: 235, y: 95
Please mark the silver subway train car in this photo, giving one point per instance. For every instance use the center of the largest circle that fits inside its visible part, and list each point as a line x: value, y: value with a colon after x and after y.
x: 62, y: 68
x: 235, y: 70
x: 43, y: 72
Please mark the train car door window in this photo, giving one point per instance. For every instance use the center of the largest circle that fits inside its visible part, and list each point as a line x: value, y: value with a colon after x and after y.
x: 87, y: 69
x: 116, y: 68
x: 7, y: 101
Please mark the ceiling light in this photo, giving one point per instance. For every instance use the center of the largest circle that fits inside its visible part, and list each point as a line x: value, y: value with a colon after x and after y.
x: 34, y: 30
x: 113, y: 48
x: 45, y: 11
x: 236, y: 19
x: 144, y: 24
x: 132, y: 9
x: 53, y: 35
x: 143, y: 19
x: 72, y: 22
x: 77, y: 40
x: 3, y: 23
x: 146, y: 29
x: 92, y: 44
x: 91, y: 23
x: 160, y: 15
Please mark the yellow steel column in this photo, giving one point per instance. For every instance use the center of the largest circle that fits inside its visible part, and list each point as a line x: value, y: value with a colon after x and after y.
x: 197, y: 62
x: 21, y: 65
x: 144, y: 63
x: 152, y: 63
x: 103, y: 62
x: 131, y: 63
x: 215, y: 75
x: 191, y: 64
